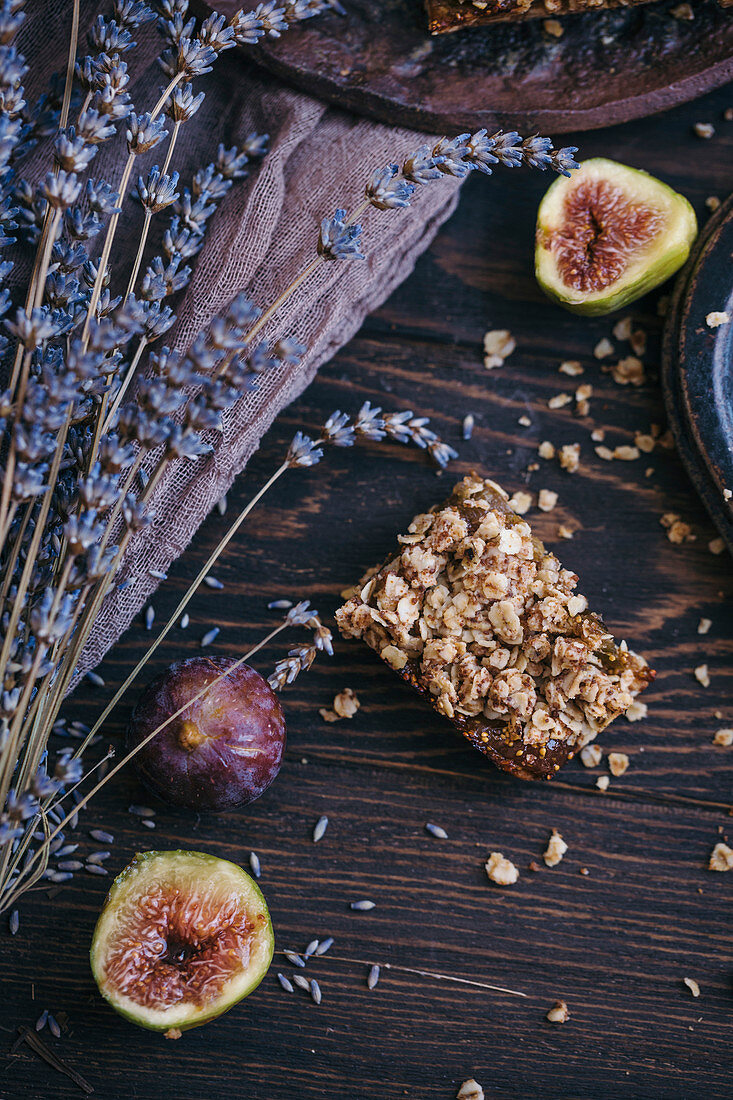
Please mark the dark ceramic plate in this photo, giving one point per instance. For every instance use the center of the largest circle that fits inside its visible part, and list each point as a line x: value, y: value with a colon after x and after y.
x: 697, y: 367
x: 608, y: 66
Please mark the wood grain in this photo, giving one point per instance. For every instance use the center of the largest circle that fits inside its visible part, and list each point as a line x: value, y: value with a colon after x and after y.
x: 615, y: 944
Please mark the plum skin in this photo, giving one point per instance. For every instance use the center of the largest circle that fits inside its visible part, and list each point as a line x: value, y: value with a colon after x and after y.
x: 223, y: 751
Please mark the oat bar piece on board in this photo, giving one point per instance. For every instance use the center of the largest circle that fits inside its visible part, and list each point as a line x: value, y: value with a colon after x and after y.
x: 482, y: 620
x: 451, y: 15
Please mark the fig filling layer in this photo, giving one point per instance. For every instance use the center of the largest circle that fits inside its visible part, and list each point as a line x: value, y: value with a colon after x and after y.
x: 174, y: 948
x: 603, y: 229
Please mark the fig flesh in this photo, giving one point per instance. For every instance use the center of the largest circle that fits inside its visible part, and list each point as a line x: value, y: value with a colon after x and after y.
x: 609, y: 234
x: 182, y: 937
x: 224, y: 750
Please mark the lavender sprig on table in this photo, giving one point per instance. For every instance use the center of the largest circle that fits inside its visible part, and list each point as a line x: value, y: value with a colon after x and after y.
x: 95, y: 406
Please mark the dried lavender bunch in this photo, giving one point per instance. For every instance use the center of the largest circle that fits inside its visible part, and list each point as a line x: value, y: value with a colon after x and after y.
x: 92, y: 414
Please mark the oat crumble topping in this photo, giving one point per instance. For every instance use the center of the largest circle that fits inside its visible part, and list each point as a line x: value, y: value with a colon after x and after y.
x: 555, y: 850
x: 500, y: 870
x: 636, y: 711
x: 559, y: 1013
x: 521, y: 502
x: 474, y: 612
x: 721, y: 858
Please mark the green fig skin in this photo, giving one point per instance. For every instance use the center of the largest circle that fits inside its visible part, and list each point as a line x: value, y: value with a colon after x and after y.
x: 666, y: 254
x: 200, y: 864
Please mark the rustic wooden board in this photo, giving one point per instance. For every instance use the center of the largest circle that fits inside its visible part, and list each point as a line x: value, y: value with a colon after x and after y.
x: 616, y: 943
x: 607, y: 67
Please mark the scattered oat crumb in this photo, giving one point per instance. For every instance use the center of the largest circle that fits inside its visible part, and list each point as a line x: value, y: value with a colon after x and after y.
x: 470, y: 1090
x: 521, y: 502
x: 598, y: 435
x: 712, y: 202
x: 602, y: 782
x: 591, y: 756
x: 716, y: 546
x: 677, y: 531
x: 559, y: 1013
x: 704, y: 626
x: 716, y: 318
x: 564, y: 532
x: 638, y: 341
x: 604, y: 452
x: 395, y: 658
x: 501, y: 871
x: 692, y: 985
x: 683, y: 12
x: 555, y: 850
x: 525, y: 422
x: 571, y: 367
x: 569, y: 456
x: 649, y: 471
x: 721, y: 858
x: 622, y: 329
x: 546, y: 449
x: 553, y: 27
x: 618, y: 762
x: 533, y: 467
x: 644, y: 442
x: 636, y: 711
x: 704, y: 129
x: 173, y: 1033
x: 626, y: 453
x: 559, y: 401
x: 603, y: 349
x: 533, y: 866
x: 723, y: 738
x: 583, y: 871
x: 582, y: 399
x: 498, y: 346
x: 727, y: 494
x: 629, y: 371
x: 546, y: 500
x: 702, y: 675
x: 728, y: 114
x: 345, y: 705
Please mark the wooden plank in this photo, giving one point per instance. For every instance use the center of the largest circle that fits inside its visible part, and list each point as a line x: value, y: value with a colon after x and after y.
x: 615, y: 943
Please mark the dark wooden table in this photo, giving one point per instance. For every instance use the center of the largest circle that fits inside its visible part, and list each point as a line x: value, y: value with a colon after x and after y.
x: 615, y: 943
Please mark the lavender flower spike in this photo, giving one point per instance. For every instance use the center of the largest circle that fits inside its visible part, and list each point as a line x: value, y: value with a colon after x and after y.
x: 338, y: 240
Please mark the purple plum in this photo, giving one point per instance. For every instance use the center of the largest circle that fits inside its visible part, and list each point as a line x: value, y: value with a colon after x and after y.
x: 224, y: 750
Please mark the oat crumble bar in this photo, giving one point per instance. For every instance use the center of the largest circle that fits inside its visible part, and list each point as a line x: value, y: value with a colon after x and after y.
x: 479, y: 617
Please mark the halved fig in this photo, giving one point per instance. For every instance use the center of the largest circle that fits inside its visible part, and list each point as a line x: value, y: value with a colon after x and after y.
x: 609, y: 234
x: 182, y: 937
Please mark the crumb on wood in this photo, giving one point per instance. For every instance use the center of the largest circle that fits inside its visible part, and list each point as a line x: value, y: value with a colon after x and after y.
x: 521, y: 502
x: 571, y: 367
x: 692, y: 985
x: 602, y: 782
x: 702, y: 675
x: 628, y: 372
x: 498, y: 346
x: 591, y: 756
x: 546, y: 449
x: 470, y: 1090
x: 559, y: 401
x: 716, y: 546
x: 603, y: 348
x: 723, y: 737
x: 546, y: 500
x: 555, y: 850
x: 559, y: 1013
x: 569, y: 456
x: 500, y: 870
x: 704, y: 625
x: 721, y: 858
x: 618, y: 763
x: 345, y: 705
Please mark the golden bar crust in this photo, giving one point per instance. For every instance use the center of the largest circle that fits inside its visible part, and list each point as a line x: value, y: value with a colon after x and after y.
x: 451, y: 15
x: 479, y: 617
